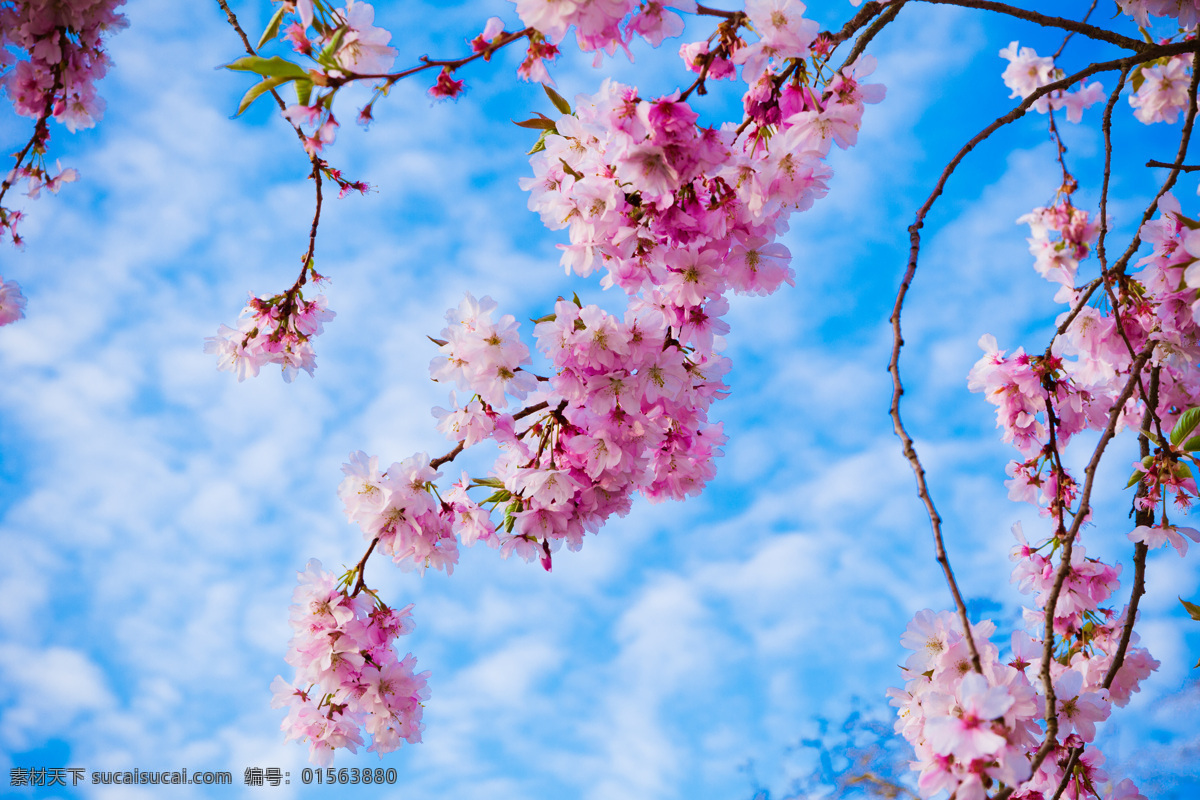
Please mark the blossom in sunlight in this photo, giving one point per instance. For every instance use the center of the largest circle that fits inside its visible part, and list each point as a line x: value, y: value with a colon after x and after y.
x: 364, y: 48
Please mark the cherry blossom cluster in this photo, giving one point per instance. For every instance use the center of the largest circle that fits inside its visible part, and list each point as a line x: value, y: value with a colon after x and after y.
x: 51, y: 55
x: 676, y: 215
x: 63, y: 41
x: 976, y: 729
x: 348, y: 677
x: 1084, y: 372
x: 272, y: 330
x: 605, y: 25
x: 1024, y: 725
x: 1161, y: 89
x: 1027, y: 72
x: 397, y: 510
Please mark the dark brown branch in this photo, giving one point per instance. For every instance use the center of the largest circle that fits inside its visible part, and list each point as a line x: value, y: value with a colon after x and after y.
x: 856, y: 23
x: 525, y: 412
x: 1181, y: 167
x: 1142, y: 517
x: 458, y: 448
x: 1047, y: 21
x: 914, y: 461
x: 861, y: 43
x: 360, y: 584
x: 1106, y: 128
x: 705, y: 11
x: 1067, y: 770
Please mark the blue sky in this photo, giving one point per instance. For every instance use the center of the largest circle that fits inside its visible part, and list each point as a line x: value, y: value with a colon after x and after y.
x: 154, y: 511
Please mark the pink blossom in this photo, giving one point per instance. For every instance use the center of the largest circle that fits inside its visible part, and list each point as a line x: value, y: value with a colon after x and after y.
x: 364, y: 47
x: 1157, y: 536
x: 12, y: 302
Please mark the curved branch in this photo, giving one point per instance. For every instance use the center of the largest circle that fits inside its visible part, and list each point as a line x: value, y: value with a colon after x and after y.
x: 1047, y: 21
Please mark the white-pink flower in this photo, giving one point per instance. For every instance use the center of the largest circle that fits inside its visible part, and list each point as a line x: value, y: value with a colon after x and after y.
x: 12, y: 302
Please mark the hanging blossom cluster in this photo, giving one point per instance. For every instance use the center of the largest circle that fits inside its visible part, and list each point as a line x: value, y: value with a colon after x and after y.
x: 51, y: 56
x: 973, y: 730
x: 273, y: 330
x: 677, y: 216
x: 348, y: 676
x: 978, y: 724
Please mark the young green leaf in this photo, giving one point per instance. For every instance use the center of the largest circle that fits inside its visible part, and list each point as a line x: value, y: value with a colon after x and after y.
x: 1192, y: 609
x: 303, y: 91
x: 258, y: 90
x: 559, y: 101
x: 273, y: 67
x: 1186, y: 424
x: 272, y: 27
x: 1134, y: 478
x: 540, y: 144
x: 334, y: 45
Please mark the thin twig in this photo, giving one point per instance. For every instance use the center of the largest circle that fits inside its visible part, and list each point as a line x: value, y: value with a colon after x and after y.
x: 1181, y: 167
x: 1106, y: 128
x: 898, y: 340
x: 1184, y: 140
x: 1067, y: 38
x: 360, y: 584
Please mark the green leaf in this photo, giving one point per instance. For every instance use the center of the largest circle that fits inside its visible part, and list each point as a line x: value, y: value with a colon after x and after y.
x: 540, y: 144
x: 499, y: 496
x: 573, y: 173
x: 273, y: 67
x: 544, y: 124
x: 1192, y: 444
x: 303, y: 91
x: 547, y: 318
x: 492, y: 482
x: 1186, y: 424
x: 272, y: 28
x: 334, y: 45
x: 1134, y: 478
x: 1192, y: 609
x: 258, y: 90
x: 559, y: 102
